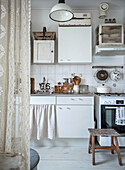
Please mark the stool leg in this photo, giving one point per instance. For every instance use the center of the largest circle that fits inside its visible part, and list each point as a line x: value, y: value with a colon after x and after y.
x: 93, y: 150
x: 118, y: 151
x: 112, y: 144
x: 90, y: 143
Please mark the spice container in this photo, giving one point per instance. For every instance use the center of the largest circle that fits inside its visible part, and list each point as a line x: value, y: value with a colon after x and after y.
x: 65, y: 88
x: 58, y: 88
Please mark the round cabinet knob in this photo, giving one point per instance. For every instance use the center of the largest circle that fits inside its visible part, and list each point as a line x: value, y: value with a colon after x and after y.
x: 68, y: 108
x: 80, y: 99
x: 60, y: 108
x: 52, y: 51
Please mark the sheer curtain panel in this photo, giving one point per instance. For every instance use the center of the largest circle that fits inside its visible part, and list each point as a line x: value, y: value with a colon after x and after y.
x: 14, y: 77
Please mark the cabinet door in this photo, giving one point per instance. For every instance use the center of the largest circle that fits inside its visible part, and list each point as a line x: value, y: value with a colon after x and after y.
x: 74, y: 121
x: 43, y: 51
x: 75, y: 44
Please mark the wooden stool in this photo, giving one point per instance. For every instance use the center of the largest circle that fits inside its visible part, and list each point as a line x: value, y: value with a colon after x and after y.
x: 107, y: 133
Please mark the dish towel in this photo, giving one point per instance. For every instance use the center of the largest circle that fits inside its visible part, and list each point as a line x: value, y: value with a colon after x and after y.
x: 120, y: 116
x: 42, y: 121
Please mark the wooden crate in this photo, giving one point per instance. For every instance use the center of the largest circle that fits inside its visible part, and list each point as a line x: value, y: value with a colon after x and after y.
x: 110, y: 34
x: 47, y: 36
x: 79, y: 19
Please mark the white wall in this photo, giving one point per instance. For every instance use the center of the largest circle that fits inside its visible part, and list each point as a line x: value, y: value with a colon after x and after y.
x: 55, y: 73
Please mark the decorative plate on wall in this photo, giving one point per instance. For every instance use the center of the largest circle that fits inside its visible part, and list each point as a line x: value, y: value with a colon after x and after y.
x: 102, y: 75
x: 115, y: 75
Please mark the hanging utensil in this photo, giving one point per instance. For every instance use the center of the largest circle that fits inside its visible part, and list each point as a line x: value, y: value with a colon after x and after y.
x: 102, y: 75
x: 115, y: 75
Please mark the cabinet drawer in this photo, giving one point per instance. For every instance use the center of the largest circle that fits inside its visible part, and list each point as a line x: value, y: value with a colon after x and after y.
x: 42, y: 100
x: 75, y: 100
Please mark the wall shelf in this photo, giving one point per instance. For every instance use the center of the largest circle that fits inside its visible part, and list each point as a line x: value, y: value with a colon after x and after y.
x: 108, y: 67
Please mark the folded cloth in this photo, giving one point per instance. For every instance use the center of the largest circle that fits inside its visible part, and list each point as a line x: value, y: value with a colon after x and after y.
x: 42, y: 121
x: 120, y: 116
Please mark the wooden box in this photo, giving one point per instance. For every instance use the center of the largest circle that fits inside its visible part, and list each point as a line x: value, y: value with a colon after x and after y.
x: 110, y: 34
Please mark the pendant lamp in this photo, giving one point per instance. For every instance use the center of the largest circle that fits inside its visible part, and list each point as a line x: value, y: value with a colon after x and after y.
x: 61, y: 12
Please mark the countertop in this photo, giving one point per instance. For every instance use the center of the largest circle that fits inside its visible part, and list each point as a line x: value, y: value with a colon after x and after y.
x: 62, y: 95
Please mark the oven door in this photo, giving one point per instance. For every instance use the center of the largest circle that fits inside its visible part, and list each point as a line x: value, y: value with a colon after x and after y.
x: 109, y: 117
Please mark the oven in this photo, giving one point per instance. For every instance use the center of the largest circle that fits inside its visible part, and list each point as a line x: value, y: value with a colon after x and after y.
x: 110, y: 114
x: 113, y: 116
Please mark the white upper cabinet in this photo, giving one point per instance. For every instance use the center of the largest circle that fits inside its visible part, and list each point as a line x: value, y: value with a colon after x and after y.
x: 75, y: 44
x: 44, y: 46
x: 44, y: 51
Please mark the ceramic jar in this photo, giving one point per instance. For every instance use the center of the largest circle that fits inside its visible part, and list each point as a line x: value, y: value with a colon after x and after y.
x: 76, y: 89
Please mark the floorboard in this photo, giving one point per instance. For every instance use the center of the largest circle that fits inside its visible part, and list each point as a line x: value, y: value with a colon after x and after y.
x: 77, y: 158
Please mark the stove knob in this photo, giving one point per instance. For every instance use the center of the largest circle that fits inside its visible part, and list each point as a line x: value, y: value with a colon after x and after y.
x: 105, y: 102
x: 109, y: 102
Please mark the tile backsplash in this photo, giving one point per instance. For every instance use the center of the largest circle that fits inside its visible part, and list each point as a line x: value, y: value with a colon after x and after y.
x: 56, y: 73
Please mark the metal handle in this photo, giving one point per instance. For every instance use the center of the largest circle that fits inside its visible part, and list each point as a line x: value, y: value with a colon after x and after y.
x: 80, y: 99
x: 107, y: 107
x: 44, y: 31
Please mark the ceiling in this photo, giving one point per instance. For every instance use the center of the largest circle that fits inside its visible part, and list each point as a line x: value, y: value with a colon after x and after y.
x: 79, y: 4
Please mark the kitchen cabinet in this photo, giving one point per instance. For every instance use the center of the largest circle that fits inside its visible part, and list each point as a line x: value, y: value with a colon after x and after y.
x: 110, y: 34
x: 75, y: 44
x: 42, y: 100
x: 74, y: 115
x: 44, y: 51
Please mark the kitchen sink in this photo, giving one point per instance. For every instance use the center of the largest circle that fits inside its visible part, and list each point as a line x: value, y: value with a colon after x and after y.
x: 41, y: 93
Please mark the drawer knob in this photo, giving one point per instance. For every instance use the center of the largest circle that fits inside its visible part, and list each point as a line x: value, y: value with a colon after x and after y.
x: 80, y: 99
x: 60, y: 108
x: 68, y: 108
x: 72, y: 99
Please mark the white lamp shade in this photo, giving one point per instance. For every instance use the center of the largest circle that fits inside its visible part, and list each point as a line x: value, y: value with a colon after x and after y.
x: 61, y: 13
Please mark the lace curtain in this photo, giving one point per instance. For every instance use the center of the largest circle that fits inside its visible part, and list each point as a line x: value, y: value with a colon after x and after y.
x: 14, y: 77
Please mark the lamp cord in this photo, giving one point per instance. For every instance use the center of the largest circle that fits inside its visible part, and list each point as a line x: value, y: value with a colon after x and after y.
x: 61, y: 1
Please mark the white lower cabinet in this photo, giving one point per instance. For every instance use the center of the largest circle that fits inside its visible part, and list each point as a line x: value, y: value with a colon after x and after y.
x: 74, y: 115
x: 74, y: 120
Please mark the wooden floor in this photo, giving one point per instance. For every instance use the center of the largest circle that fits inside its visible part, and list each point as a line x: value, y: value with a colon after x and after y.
x: 77, y: 158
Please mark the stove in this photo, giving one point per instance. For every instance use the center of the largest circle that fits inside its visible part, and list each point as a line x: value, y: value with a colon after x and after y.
x: 110, y: 94
x: 110, y: 114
